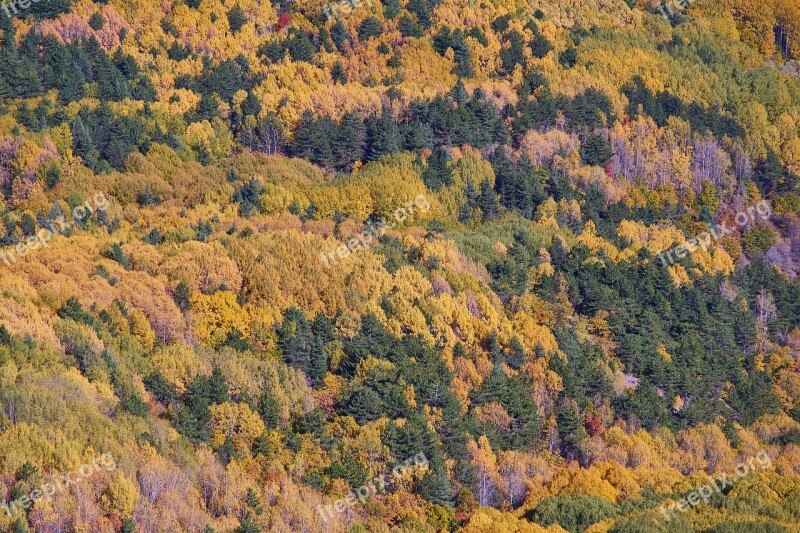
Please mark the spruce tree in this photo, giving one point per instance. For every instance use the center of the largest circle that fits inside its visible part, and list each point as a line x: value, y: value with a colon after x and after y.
x: 487, y: 201
x: 391, y: 8
x: 364, y: 404
x: 470, y: 202
x: 409, y: 28
x: 340, y: 37
x: 236, y: 18
x: 383, y: 136
x: 422, y: 9
x: 269, y: 410
x: 435, y: 485
x: 319, y: 361
x: 570, y: 427
x: 769, y: 171
x: 595, y: 151
x: 295, y: 339
x: 349, y: 143
x: 304, y: 136
x: 5, y: 336
x: 338, y: 73
x: 540, y: 46
x: 82, y: 142
x: 438, y: 174
x: 370, y: 27
x: 251, y: 105
x: 462, y: 54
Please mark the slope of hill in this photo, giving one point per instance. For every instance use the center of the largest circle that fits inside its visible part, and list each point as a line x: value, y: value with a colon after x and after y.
x: 416, y: 266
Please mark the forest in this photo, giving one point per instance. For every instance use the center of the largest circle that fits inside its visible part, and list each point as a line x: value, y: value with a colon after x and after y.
x: 400, y: 265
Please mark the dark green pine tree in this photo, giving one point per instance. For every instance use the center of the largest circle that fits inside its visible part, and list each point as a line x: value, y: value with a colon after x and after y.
x: 350, y: 142
x: 459, y: 93
x: 540, y: 46
x: 193, y: 419
x: 558, y: 254
x: 487, y: 201
x: 409, y: 28
x: 5, y: 336
x: 116, y: 254
x: 518, y: 401
x: 120, y: 142
x: 516, y: 356
x: 435, y: 485
x: 568, y: 57
x: 438, y: 173
x: 305, y: 143
x: 9, y: 42
x: 470, y: 202
x: 513, y: 55
x: 504, y: 175
x: 111, y: 84
x: 215, y: 388
x: 364, y: 405
x: 422, y: 9
x: 5, y: 89
x: 769, y: 171
x: 596, y: 151
x: 395, y: 403
x: 261, y: 445
x: 383, y: 136
x: 27, y: 225
x: 301, y: 48
x: 20, y: 75
x: 252, y: 501
x: 82, y: 142
x: 207, y: 109
x: 251, y: 105
x: 370, y: 27
x: 248, y: 197
x: 491, y: 127
x: 269, y: 410
x: 147, y: 197
x: 236, y: 18
x: 391, y: 436
x: 295, y: 339
x: 158, y: 386
x: 71, y: 87
x: 319, y: 361
x: 338, y: 73
x: 441, y: 40
x: 248, y: 523
x: 226, y: 452
x: 527, y: 191
x: 570, y: 427
x: 324, y: 132
x: 462, y: 55
x: 391, y: 8
x: 340, y: 37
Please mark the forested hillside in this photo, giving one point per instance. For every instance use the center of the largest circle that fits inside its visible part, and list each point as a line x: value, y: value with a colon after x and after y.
x: 424, y: 266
